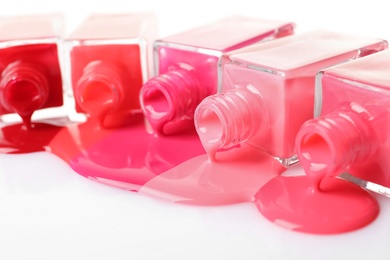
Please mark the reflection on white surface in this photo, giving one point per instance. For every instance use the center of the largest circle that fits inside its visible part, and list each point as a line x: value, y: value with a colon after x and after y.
x: 49, y: 212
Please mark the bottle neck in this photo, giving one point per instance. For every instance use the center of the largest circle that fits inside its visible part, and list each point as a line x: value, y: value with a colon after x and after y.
x: 99, y: 90
x: 170, y: 97
x: 328, y: 145
x: 227, y: 119
x: 23, y: 89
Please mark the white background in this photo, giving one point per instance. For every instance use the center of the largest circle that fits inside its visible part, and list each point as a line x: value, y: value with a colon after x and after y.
x: 47, y: 211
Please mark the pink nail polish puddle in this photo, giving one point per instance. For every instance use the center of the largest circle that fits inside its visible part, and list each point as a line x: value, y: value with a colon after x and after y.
x: 108, y: 62
x: 296, y: 203
x: 233, y: 179
x: 125, y: 157
x: 30, y: 82
x: 188, y: 65
x: 349, y: 134
x: 268, y: 91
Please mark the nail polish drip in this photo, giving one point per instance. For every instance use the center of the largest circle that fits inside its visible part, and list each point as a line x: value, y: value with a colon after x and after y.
x: 29, y: 83
x: 228, y: 119
x: 318, y: 202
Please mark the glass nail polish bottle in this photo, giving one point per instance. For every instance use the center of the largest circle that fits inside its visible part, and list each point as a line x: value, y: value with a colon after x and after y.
x: 30, y: 81
x: 188, y: 67
x: 350, y: 131
x: 108, y: 63
x: 272, y: 91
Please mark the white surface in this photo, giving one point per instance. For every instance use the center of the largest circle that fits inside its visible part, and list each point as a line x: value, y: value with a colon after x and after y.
x: 49, y: 212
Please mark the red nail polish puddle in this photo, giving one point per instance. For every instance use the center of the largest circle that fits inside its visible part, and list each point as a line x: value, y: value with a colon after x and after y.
x: 18, y: 138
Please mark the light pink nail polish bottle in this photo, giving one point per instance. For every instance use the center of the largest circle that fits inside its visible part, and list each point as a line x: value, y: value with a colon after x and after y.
x: 351, y: 128
x: 272, y: 91
x: 188, y: 67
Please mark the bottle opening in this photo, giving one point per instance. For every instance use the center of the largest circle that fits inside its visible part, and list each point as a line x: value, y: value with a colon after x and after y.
x: 315, y: 153
x: 156, y: 104
x: 24, y: 89
x: 23, y: 96
x: 100, y: 89
x: 97, y: 98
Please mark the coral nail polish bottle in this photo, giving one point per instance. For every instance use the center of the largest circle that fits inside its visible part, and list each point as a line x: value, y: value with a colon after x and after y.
x: 350, y: 131
x: 272, y: 91
x: 188, y: 67
x: 108, y: 63
x: 30, y: 79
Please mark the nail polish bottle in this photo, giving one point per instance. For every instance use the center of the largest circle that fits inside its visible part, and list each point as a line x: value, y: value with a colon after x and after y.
x: 188, y: 68
x: 350, y: 131
x: 108, y: 63
x: 272, y: 91
x: 30, y: 79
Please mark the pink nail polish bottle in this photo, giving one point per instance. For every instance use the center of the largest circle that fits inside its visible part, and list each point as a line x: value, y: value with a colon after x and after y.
x: 272, y: 91
x: 30, y: 79
x: 350, y: 131
x: 188, y: 67
x: 108, y: 63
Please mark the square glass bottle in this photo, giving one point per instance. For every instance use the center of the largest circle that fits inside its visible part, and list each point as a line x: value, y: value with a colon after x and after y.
x: 31, y: 85
x: 188, y: 67
x: 268, y: 91
x: 107, y: 62
x: 350, y: 131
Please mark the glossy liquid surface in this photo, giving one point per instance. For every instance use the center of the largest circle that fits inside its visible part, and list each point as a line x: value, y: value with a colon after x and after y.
x: 126, y: 157
x: 295, y: 203
x: 234, y: 178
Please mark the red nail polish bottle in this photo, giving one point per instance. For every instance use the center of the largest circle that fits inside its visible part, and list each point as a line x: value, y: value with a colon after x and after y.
x: 107, y: 58
x: 30, y: 79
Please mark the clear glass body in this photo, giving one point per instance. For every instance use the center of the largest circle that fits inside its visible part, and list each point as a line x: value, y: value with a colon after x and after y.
x: 279, y: 76
x: 188, y: 66
x: 31, y: 86
x: 107, y: 63
x: 351, y: 128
